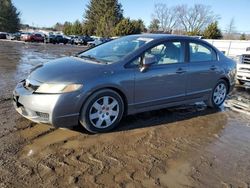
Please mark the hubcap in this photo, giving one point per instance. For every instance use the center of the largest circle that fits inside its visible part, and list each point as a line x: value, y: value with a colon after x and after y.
x: 219, y: 94
x: 104, y: 112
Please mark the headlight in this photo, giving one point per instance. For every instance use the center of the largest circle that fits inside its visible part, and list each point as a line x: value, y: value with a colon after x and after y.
x: 58, y: 88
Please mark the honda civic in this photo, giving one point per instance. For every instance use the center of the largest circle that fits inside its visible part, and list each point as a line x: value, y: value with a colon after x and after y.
x: 132, y: 74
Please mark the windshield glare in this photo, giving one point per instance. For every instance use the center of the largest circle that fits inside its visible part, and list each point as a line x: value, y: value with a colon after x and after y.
x: 117, y: 49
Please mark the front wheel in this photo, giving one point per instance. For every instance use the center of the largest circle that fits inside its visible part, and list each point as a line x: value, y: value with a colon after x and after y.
x: 102, y: 111
x: 219, y: 94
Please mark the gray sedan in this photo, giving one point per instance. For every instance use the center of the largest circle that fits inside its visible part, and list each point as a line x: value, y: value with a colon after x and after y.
x: 133, y: 74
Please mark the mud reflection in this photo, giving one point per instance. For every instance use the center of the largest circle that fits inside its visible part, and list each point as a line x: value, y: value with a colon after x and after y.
x: 225, y: 161
x: 166, y: 116
x: 16, y: 60
x: 163, y: 152
x: 49, y: 138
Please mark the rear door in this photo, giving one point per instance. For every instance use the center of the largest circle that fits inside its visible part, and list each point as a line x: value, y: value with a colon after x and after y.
x: 165, y: 80
x: 203, y: 70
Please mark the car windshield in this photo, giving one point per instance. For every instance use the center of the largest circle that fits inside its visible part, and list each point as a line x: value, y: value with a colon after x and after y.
x: 115, y: 50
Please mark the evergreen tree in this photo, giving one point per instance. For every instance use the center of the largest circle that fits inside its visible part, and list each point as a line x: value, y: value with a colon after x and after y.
x: 243, y: 37
x: 154, y: 26
x: 212, y: 31
x: 9, y: 17
x: 124, y: 27
x: 138, y: 26
x: 105, y: 27
x: 195, y: 32
x: 76, y: 28
x: 67, y: 28
x: 128, y: 27
x: 102, y: 16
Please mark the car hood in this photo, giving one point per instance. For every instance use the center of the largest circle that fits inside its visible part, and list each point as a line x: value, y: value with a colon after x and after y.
x: 67, y: 70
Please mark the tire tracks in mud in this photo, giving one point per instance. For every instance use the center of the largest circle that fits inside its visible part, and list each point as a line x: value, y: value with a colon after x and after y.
x: 99, y: 165
x: 139, y: 157
x: 109, y: 160
x: 5, y: 99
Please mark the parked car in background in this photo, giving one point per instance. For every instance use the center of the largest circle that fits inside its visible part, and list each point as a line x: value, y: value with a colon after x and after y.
x: 243, y: 67
x: 83, y: 40
x: 25, y: 37
x: 32, y: 37
x: 17, y: 35
x: 49, y: 38
x: 37, y: 37
x: 72, y: 39
x: 10, y: 36
x: 3, y: 35
x: 97, y: 41
x: 57, y: 39
x: 128, y: 75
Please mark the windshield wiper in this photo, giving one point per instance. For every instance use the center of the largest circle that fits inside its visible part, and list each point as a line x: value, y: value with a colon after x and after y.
x: 90, y: 57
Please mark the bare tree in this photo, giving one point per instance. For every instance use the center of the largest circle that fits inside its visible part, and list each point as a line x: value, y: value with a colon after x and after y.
x: 166, y: 16
x: 195, y: 19
x: 231, y: 29
x: 58, y: 26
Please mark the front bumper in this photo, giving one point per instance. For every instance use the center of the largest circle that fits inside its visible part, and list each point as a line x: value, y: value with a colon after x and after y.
x: 243, y: 72
x: 60, y: 110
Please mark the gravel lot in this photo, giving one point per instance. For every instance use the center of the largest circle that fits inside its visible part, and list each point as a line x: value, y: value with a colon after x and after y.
x: 188, y: 146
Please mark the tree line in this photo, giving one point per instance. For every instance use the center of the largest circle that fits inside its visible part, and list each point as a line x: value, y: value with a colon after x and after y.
x: 198, y: 19
x: 105, y: 18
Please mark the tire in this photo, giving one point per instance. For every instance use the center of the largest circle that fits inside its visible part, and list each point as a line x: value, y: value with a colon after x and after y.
x: 241, y: 82
x: 218, y: 95
x: 102, y: 111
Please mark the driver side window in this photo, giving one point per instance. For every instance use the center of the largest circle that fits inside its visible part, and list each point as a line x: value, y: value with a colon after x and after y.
x: 167, y: 53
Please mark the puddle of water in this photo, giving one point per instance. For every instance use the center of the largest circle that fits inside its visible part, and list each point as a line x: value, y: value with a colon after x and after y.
x: 177, y: 174
x: 17, y: 59
x: 57, y: 136
x: 226, y: 159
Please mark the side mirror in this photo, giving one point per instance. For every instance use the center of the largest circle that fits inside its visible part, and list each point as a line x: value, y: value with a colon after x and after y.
x: 147, y: 62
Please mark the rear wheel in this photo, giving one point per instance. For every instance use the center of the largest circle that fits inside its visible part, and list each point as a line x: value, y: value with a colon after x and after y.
x: 218, y: 95
x: 102, y: 111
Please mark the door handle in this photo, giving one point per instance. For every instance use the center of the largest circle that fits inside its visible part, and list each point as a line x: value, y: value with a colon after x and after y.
x: 180, y: 71
x: 213, y: 67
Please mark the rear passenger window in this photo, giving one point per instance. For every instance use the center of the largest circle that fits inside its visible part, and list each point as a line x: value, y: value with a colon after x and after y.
x: 200, y: 53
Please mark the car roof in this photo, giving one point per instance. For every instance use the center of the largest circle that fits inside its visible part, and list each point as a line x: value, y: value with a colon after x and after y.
x: 164, y: 36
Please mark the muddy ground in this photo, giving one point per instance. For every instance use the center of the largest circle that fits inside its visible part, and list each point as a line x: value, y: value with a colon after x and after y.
x: 189, y: 146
